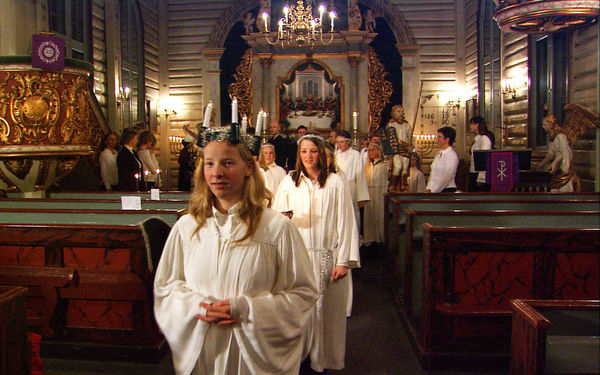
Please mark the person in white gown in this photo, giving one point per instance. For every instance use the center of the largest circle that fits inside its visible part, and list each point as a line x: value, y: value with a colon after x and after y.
x: 376, y: 171
x: 234, y: 289
x: 322, y: 212
x: 273, y: 173
x: 350, y: 164
x: 416, y: 178
x: 108, y: 161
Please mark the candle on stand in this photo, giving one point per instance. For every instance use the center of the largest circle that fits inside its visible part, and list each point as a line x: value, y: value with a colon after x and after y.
x: 286, y: 10
x: 259, y: 123
x: 332, y: 16
x: 264, y: 120
x: 265, y: 16
x: 321, y: 11
x: 136, y: 176
x: 234, y: 110
x: 355, y: 120
x: 207, y: 112
x: 244, y: 124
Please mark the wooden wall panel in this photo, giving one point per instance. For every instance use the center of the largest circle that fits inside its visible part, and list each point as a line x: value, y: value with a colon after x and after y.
x: 515, y: 111
x: 149, y: 9
x: 584, y: 89
x: 99, y: 54
x: 471, y: 46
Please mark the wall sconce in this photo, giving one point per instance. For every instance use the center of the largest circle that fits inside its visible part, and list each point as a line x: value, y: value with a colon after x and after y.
x: 123, y: 95
x: 167, y: 107
x: 510, y: 86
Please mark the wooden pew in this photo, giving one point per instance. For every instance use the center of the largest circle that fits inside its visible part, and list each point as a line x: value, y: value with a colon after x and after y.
x: 398, y: 197
x: 410, y: 255
x: 472, y: 274
x: 109, y: 311
x: 399, y: 205
x: 88, y: 204
x: 555, y: 337
x: 83, y: 216
x: 179, y: 195
x: 14, y: 348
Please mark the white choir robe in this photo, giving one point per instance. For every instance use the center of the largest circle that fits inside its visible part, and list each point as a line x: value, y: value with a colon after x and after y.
x: 416, y: 181
x: 481, y: 142
x: 353, y: 171
x: 268, y: 280
x: 377, y: 180
x: 273, y: 176
x: 326, y: 222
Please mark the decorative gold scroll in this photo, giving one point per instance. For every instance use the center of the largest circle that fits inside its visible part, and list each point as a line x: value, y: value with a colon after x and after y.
x: 241, y: 88
x: 380, y: 90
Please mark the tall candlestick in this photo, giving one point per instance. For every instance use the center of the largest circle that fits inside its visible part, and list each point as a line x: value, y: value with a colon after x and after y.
x: 321, y: 11
x: 244, y: 124
x: 355, y: 120
x: 207, y: 112
x: 234, y: 110
x: 259, y: 123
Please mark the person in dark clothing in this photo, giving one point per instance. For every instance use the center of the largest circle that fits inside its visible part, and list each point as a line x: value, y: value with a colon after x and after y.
x: 131, y: 171
x: 187, y: 164
x: 300, y: 131
x: 282, y: 146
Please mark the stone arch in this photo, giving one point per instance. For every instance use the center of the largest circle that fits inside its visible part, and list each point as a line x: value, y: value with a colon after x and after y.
x: 389, y: 11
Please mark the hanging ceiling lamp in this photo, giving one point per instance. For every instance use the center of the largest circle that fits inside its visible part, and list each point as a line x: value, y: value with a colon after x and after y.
x: 545, y: 16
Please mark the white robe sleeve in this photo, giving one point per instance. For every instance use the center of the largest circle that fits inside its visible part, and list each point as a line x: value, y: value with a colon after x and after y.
x: 348, y: 254
x: 176, y: 305
x: 362, y: 189
x: 273, y: 323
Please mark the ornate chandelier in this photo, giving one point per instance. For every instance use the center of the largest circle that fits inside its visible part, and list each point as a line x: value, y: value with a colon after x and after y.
x: 545, y: 16
x: 298, y: 25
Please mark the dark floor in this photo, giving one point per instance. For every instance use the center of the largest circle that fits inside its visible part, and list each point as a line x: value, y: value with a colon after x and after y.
x: 376, y: 341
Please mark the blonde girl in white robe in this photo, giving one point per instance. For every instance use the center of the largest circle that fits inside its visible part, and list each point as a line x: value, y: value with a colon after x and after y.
x: 376, y: 171
x: 234, y: 289
x: 323, y: 213
x: 273, y: 173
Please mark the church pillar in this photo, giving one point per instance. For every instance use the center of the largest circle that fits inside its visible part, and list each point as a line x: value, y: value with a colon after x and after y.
x: 411, y: 82
x: 113, y: 64
x: 211, y: 81
x: 266, y: 96
x: 353, y: 60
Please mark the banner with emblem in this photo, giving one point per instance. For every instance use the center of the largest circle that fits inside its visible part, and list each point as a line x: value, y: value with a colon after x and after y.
x: 503, y: 170
x: 48, y: 52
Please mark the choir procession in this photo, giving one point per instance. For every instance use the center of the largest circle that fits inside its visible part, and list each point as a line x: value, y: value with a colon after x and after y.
x: 299, y: 187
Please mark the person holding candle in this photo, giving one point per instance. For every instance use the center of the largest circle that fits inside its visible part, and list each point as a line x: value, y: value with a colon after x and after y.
x: 322, y: 212
x: 129, y: 164
x: 145, y: 149
x: 234, y: 289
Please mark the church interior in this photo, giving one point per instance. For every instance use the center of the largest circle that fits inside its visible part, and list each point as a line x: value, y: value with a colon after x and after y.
x: 499, y: 281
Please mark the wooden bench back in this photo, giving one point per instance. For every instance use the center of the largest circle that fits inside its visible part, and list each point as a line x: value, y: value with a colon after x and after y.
x: 88, y: 204
x: 73, y: 216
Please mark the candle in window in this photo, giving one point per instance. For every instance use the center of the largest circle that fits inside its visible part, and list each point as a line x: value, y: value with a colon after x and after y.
x: 234, y: 110
x: 355, y: 120
x: 207, y: 112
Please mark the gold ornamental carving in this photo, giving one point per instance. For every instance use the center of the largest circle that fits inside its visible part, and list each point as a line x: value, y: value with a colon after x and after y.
x: 380, y: 91
x: 241, y: 88
x: 46, y: 124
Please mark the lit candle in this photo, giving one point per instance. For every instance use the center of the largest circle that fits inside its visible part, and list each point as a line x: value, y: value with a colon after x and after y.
x: 244, y: 124
x: 259, y: 123
x: 264, y: 120
x: 286, y: 10
x: 280, y: 27
x: 287, y: 201
x: 265, y: 16
x: 207, y: 111
x: 321, y: 11
x: 137, y: 177
x: 332, y: 16
x: 234, y: 110
x: 355, y: 120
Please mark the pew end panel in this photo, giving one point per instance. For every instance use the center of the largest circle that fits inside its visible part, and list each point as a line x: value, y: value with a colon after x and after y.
x: 555, y: 336
x: 14, y: 346
x: 472, y: 274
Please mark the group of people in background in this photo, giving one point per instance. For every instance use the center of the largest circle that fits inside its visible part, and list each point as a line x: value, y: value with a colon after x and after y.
x: 240, y: 288
x: 131, y: 166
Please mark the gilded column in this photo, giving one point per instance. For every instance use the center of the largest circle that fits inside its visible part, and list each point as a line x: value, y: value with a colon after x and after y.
x: 266, y: 60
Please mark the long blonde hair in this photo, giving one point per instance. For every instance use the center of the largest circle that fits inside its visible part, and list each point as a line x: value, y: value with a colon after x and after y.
x: 253, y: 200
x: 262, y: 162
